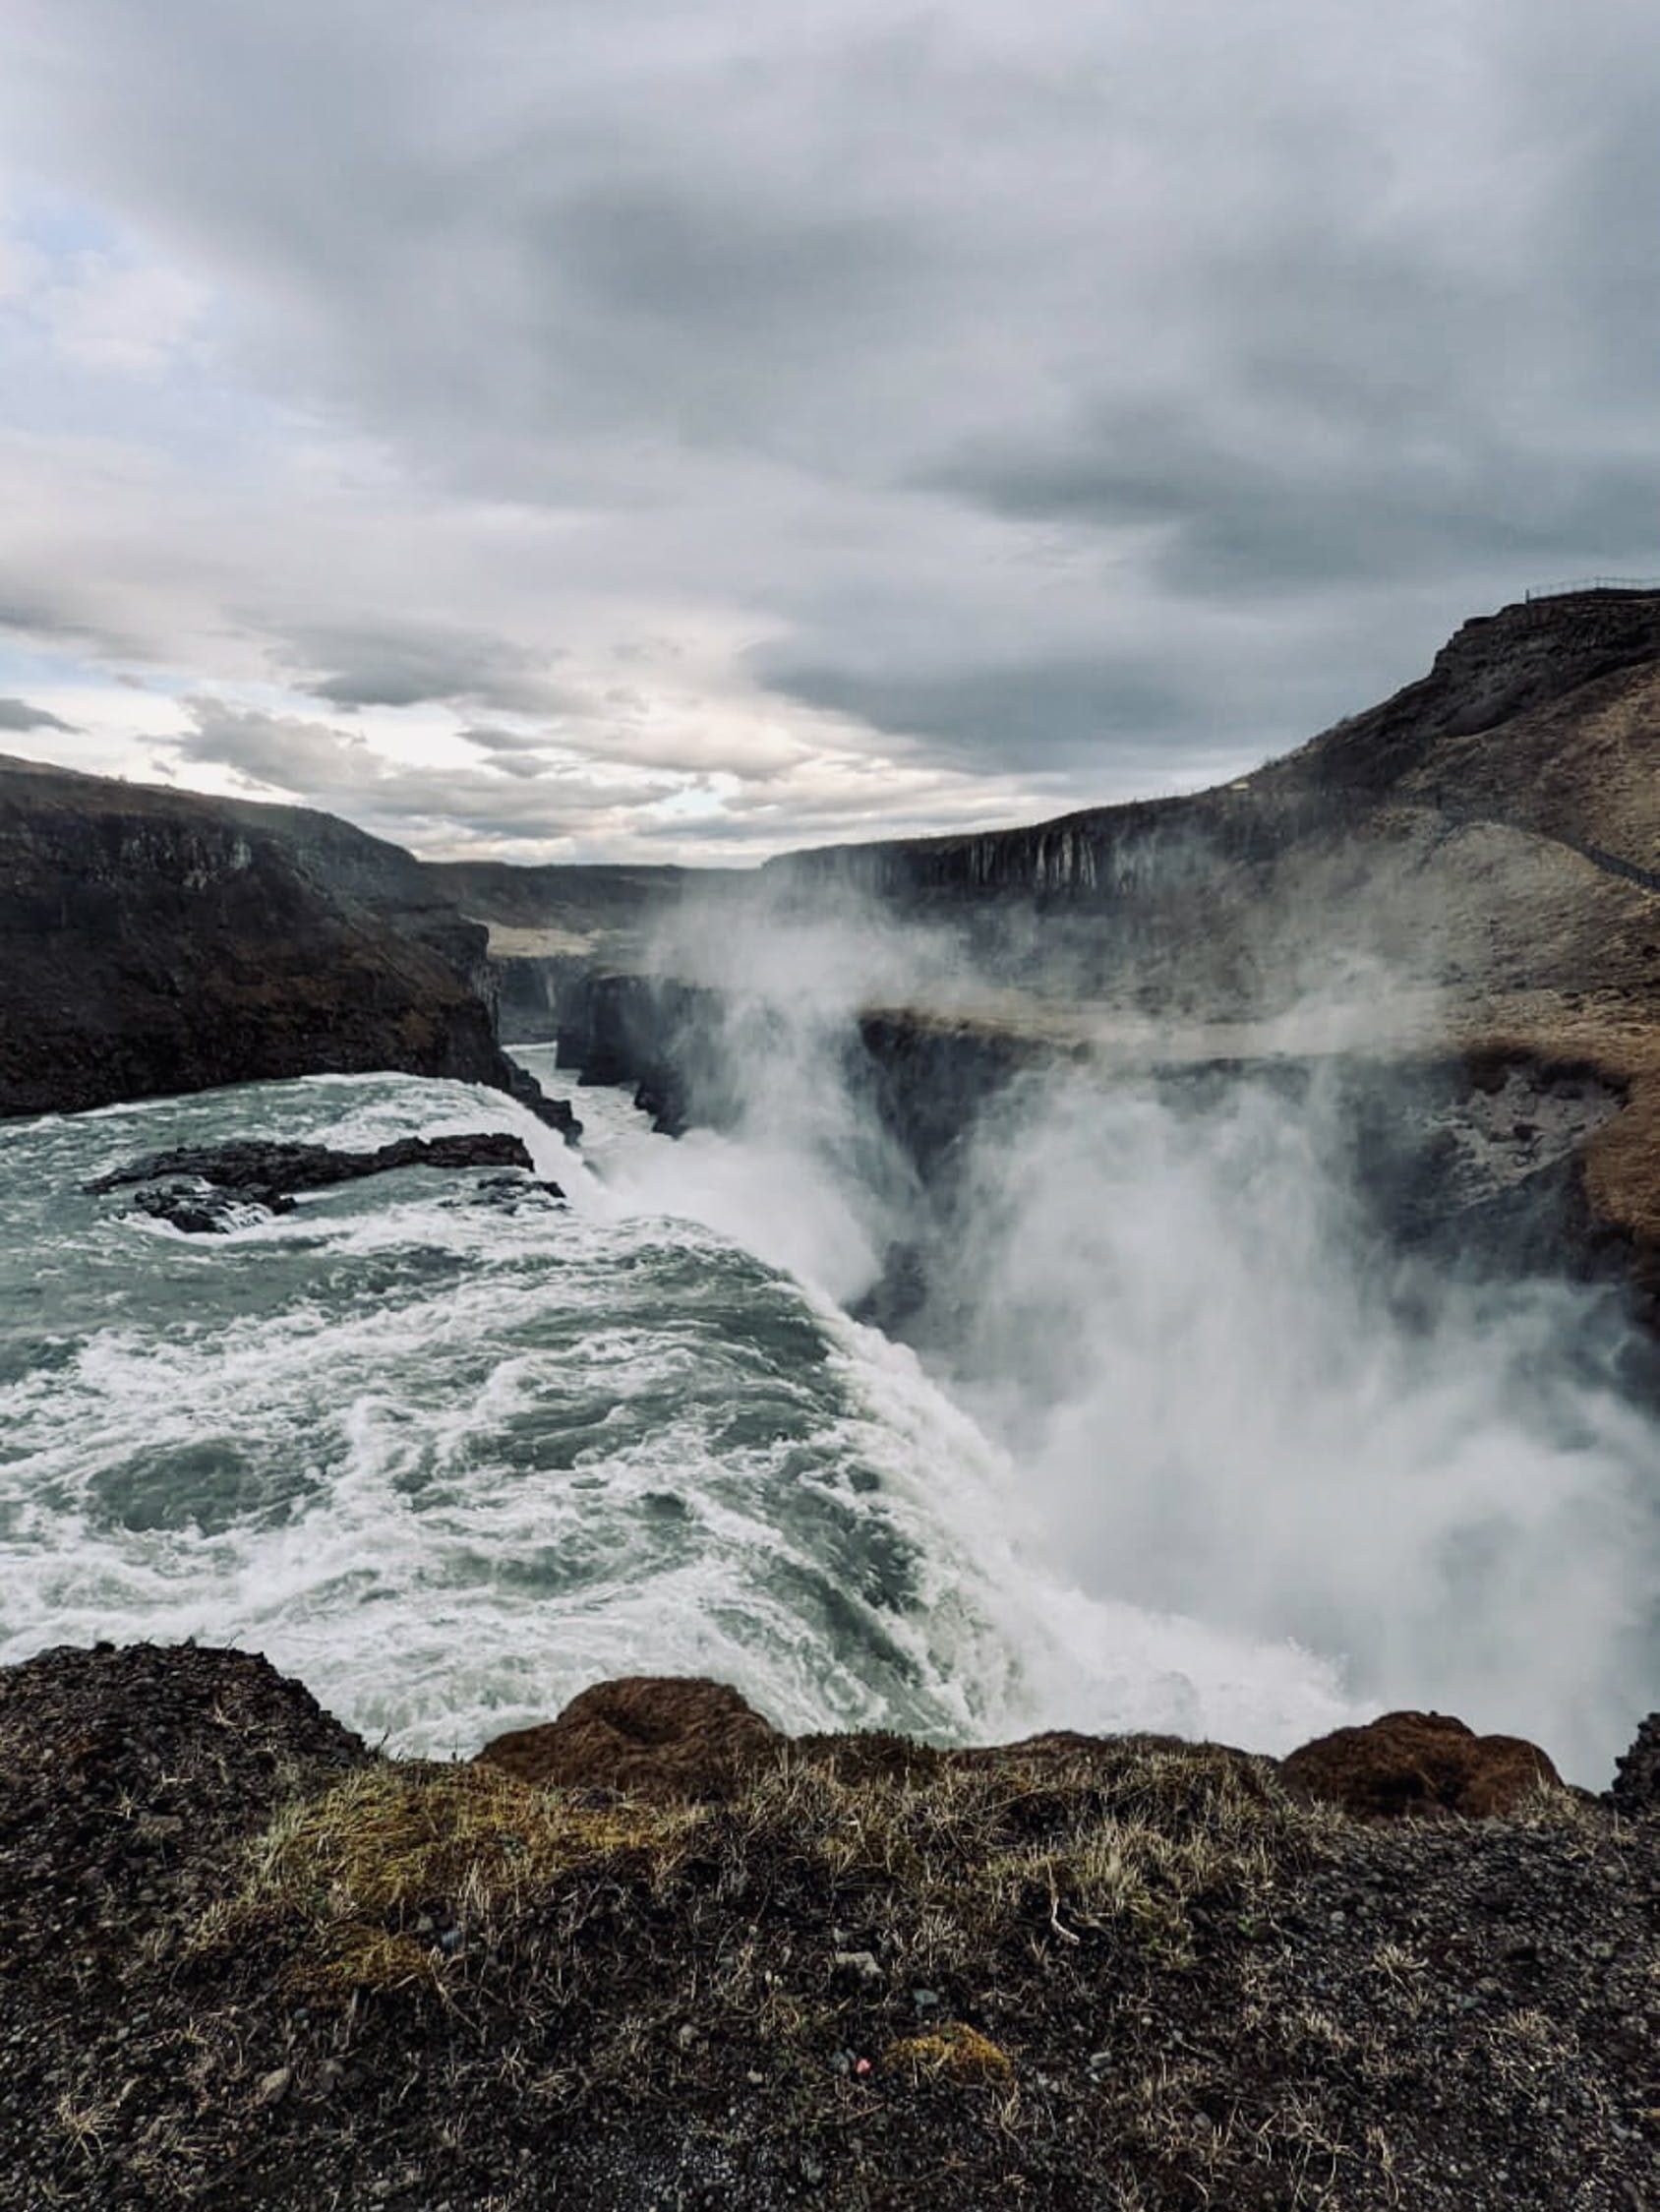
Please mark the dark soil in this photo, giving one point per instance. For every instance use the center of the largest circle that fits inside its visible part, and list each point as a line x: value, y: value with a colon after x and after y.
x: 248, y: 1963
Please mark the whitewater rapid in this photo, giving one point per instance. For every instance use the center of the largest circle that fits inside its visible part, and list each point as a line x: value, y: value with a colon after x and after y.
x: 450, y: 1458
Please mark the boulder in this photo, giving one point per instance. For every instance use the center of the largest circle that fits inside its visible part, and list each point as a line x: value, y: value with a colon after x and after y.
x: 654, y: 1735
x: 1418, y: 1764
x: 193, y: 1204
x: 207, y: 1189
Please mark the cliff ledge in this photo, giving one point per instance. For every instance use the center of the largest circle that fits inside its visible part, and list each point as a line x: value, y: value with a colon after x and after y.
x: 251, y: 1963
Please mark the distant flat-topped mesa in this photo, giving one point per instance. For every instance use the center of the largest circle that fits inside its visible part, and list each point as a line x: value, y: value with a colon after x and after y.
x: 152, y: 942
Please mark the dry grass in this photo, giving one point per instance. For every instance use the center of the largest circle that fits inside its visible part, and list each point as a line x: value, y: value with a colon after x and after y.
x: 375, y: 1869
x: 387, y: 1878
x: 1135, y: 1963
x: 944, y: 1866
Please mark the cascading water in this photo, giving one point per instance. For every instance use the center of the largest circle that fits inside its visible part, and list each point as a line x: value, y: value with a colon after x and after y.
x: 449, y: 1452
x: 450, y: 1458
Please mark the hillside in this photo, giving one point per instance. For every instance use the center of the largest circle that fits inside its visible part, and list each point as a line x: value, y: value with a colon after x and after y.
x: 1468, y: 873
x: 1490, y: 834
x: 153, y: 941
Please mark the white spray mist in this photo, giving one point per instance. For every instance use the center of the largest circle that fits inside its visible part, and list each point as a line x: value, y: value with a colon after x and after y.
x: 1222, y: 1400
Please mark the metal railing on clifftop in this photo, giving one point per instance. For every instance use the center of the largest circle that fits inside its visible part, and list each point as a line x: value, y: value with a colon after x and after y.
x: 1593, y: 583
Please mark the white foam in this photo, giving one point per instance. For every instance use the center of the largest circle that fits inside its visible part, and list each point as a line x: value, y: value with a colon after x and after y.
x: 486, y: 1457
x: 364, y: 1362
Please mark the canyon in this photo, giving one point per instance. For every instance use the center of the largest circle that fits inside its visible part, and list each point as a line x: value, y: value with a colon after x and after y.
x: 656, y: 1946
x: 1451, y: 902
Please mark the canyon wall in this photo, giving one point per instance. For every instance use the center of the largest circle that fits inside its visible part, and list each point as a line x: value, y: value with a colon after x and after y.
x: 152, y: 942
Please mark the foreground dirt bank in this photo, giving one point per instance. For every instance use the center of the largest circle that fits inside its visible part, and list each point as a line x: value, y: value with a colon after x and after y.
x: 250, y: 1964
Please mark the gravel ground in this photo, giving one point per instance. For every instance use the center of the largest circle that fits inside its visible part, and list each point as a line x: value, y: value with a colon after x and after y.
x: 248, y: 1963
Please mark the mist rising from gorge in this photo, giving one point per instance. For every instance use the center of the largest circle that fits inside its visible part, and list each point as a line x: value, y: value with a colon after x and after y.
x: 1226, y: 1395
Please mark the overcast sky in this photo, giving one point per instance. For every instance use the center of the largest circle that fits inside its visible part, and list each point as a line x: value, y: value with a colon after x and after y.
x: 605, y: 429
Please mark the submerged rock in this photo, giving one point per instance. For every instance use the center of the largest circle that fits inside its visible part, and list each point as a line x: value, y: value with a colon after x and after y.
x: 193, y: 1204
x: 511, y: 1194
x: 653, y: 1734
x: 1407, y: 1763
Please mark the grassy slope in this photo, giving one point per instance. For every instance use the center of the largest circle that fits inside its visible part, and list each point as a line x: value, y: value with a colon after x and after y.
x: 250, y: 1964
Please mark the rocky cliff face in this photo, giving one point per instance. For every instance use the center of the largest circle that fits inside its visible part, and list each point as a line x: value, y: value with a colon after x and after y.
x: 152, y: 942
x: 550, y: 928
x: 1465, y: 878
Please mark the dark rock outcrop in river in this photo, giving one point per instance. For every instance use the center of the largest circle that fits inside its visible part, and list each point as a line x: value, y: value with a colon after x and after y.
x: 249, y: 1962
x: 206, y: 1187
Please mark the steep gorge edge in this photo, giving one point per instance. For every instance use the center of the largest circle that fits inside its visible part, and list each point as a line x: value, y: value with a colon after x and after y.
x: 252, y: 1962
x: 155, y: 942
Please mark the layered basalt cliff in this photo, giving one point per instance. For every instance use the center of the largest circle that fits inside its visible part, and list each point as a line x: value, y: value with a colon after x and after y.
x: 152, y: 942
x: 657, y: 1955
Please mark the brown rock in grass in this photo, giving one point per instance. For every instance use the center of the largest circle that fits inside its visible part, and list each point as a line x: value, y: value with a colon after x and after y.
x: 1418, y: 1764
x: 656, y: 1735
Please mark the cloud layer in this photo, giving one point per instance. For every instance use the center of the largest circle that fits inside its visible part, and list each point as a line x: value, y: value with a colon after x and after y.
x: 572, y: 430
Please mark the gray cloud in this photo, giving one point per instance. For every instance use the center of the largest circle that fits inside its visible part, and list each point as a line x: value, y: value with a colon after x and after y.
x: 401, y: 665
x: 1090, y: 400
x: 1237, y: 523
x: 341, y: 770
x: 1053, y: 712
x: 18, y: 714
x: 57, y: 618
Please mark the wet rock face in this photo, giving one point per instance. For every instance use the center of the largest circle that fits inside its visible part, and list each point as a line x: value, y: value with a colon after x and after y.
x: 659, y: 1736
x: 204, y: 1189
x: 155, y: 942
x: 192, y: 1205
x: 1418, y: 1764
x: 669, y: 1040
x: 520, y: 1084
x: 266, y: 1172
